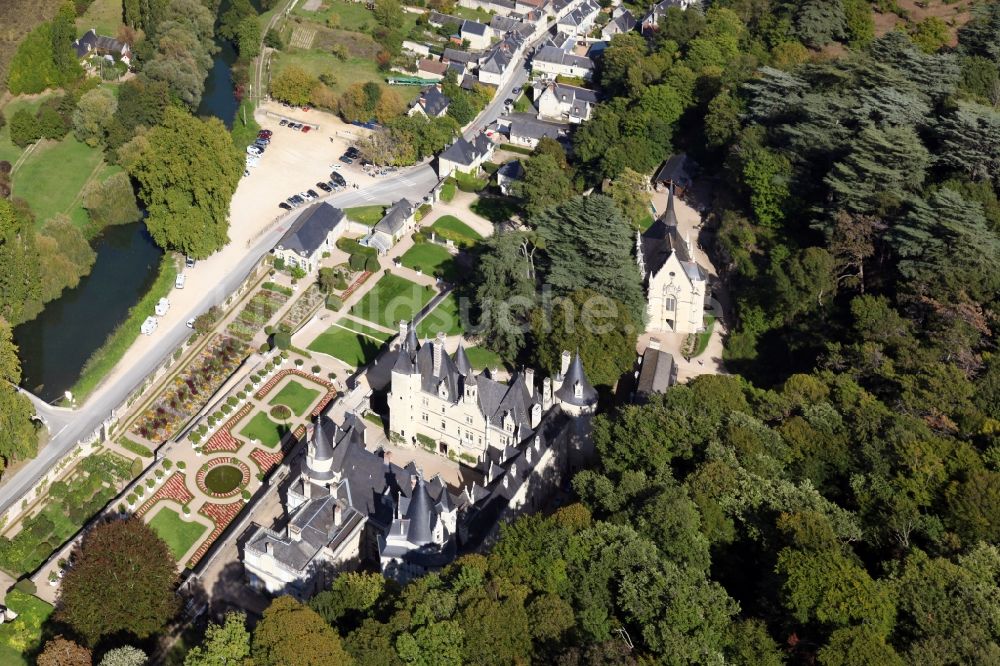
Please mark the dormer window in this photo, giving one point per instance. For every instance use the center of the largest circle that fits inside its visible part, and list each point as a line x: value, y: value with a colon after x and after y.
x: 577, y: 390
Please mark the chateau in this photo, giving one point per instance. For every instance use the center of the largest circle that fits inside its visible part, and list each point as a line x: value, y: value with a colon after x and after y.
x: 348, y: 506
x: 676, y: 286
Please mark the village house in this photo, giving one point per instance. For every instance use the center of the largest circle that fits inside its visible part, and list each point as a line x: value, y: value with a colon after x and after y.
x: 676, y: 286
x: 398, y: 220
x: 651, y: 21
x: 497, y: 7
x: 527, y: 132
x: 496, y: 64
x: 553, y: 61
x: 580, y: 20
x: 507, y: 175
x: 622, y: 21
x: 313, y: 232
x: 476, y: 34
x: 93, y: 44
x: 465, y: 156
x: 431, y: 69
x: 431, y: 103
x: 561, y: 102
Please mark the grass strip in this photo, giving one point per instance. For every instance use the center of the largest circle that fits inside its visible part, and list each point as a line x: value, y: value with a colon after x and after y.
x: 107, y: 355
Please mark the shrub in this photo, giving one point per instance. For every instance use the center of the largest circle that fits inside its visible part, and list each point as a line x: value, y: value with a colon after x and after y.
x: 316, y: 369
x: 186, y: 509
x: 299, y: 363
x: 137, y: 466
x: 334, y: 303
x: 281, y: 412
x: 281, y: 340
x: 167, y: 464
x: 159, y: 473
x: 357, y: 262
x: 232, y: 401
x: 372, y: 265
x: 245, y: 495
x: 181, y: 465
x: 150, y: 483
x: 131, y: 498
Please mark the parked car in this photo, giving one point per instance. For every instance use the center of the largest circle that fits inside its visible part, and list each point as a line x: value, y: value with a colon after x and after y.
x: 334, y: 186
x: 298, y: 200
x: 189, y: 262
x: 352, y: 152
x: 291, y: 200
x: 324, y: 187
x: 338, y: 179
x: 246, y: 172
x: 295, y: 126
x: 508, y: 102
x: 306, y: 196
x: 282, y: 123
x: 346, y: 160
x: 190, y: 322
x: 306, y: 128
x: 254, y: 150
x: 264, y: 133
x: 312, y: 193
x: 516, y: 91
x: 284, y: 206
x: 261, y: 141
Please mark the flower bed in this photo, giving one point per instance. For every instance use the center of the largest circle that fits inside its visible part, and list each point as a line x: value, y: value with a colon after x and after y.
x: 218, y: 462
x: 281, y: 374
x: 220, y: 515
x: 174, y: 489
x: 265, y: 460
x: 188, y: 391
x: 223, y: 439
x: 311, y: 299
x: 354, y: 285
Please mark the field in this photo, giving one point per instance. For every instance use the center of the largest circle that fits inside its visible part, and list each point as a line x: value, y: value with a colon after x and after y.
x: 445, y: 318
x: 430, y: 259
x: 352, y: 348
x: 23, y: 635
x: 351, y: 16
x: 392, y: 299
x: 296, y: 397
x: 352, y: 70
x: 366, y: 215
x: 263, y: 429
x: 105, y: 16
x: 8, y: 151
x: 51, y: 178
x: 179, y: 534
x: 482, y: 358
x: 451, y: 228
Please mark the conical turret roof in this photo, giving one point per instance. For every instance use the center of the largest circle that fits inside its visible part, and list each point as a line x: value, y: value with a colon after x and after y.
x: 420, y: 514
x: 462, y: 361
x: 575, y: 376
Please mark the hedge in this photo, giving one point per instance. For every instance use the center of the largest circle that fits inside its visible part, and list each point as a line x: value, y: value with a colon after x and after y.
x: 135, y: 447
x: 334, y: 303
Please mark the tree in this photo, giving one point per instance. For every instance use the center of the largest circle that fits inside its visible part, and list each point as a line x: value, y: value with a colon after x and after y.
x: 589, y: 245
x: 122, y: 580
x: 248, y: 37
x: 226, y: 644
x: 598, y: 327
x: 505, y: 292
x: 24, y: 128
x: 290, y: 633
x: 64, y: 60
x: 93, y: 115
x: 32, y: 69
x: 820, y: 22
x: 20, y: 274
x: 63, y: 652
x: 17, y: 436
x: 349, y: 597
x: 858, y: 645
x: 931, y: 34
x: 187, y: 170
x: 125, y: 656
x: 544, y: 183
x: 631, y: 192
x: 388, y: 13
x: 293, y: 85
x: 111, y: 202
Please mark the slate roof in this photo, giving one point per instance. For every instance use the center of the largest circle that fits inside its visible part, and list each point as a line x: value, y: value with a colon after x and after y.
x: 575, y: 375
x: 433, y: 101
x: 465, y: 152
x: 511, y: 170
x: 91, y: 41
x: 556, y: 56
x: 439, y: 19
x: 420, y: 515
x: 579, y: 100
x: 395, y: 218
x: 656, y: 373
x: 456, y: 55
x: 474, y: 28
x: 580, y: 14
x: 624, y: 22
x: 498, y: 57
x: 533, y: 129
x: 311, y: 228
x: 677, y: 169
x: 662, y: 239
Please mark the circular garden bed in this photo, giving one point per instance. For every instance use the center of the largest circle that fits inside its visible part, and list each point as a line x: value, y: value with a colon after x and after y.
x: 281, y: 413
x: 223, y: 477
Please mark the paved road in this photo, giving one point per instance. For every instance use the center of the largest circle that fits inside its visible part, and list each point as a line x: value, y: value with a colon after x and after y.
x: 67, y: 427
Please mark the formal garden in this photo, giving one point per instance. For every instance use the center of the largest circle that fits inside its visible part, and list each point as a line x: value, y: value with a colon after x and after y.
x: 352, y: 342
x: 179, y: 533
x: 310, y: 301
x: 256, y: 313
x: 69, y: 504
x: 445, y: 318
x: 189, y: 390
x: 430, y: 258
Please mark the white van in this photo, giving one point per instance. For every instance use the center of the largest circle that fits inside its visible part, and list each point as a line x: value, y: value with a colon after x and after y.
x: 162, y: 306
x: 148, y: 326
x: 180, y: 280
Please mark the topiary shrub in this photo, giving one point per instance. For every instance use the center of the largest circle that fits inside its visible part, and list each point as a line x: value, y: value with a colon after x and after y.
x: 316, y: 369
x: 372, y: 265
x: 357, y: 262
x: 299, y: 363
x: 334, y: 303
x: 281, y: 413
x: 167, y: 464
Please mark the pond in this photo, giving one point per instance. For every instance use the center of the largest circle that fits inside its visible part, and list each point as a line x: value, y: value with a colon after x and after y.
x: 55, y: 345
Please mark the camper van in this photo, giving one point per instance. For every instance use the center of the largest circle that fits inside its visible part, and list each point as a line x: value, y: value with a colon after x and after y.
x: 148, y: 326
x: 162, y: 306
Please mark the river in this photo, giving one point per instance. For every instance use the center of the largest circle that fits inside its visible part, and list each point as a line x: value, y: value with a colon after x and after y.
x: 54, y: 346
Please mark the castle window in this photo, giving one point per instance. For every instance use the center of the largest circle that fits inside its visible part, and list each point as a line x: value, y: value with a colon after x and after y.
x: 468, y: 419
x: 425, y: 418
x: 442, y: 426
x: 670, y: 303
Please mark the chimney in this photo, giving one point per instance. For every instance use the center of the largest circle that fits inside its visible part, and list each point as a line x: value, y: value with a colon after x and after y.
x: 387, y: 458
x: 295, y: 532
x: 529, y: 379
x: 566, y: 358
x: 413, y: 481
x: 268, y: 547
x: 404, y: 328
x: 306, y: 488
x: 654, y: 343
x: 438, y: 353
x: 338, y: 514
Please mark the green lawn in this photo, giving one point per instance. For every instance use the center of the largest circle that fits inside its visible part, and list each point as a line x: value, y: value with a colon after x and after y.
x: 391, y: 300
x: 179, y: 534
x: 453, y: 229
x: 430, y: 259
x: 523, y: 102
x: 296, y: 397
x: 472, y: 14
x: 482, y: 358
x: 263, y: 429
x: 468, y: 182
x: 346, y: 72
x: 444, y: 319
x: 704, y: 336
x: 8, y: 151
x: 366, y: 215
x: 352, y: 348
x: 51, y: 177
x: 23, y: 635
x: 105, y: 16
x: 351, y: 16
x: 362, y: 328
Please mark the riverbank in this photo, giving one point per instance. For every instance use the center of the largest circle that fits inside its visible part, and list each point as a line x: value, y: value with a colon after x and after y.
x: 118, y: 343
